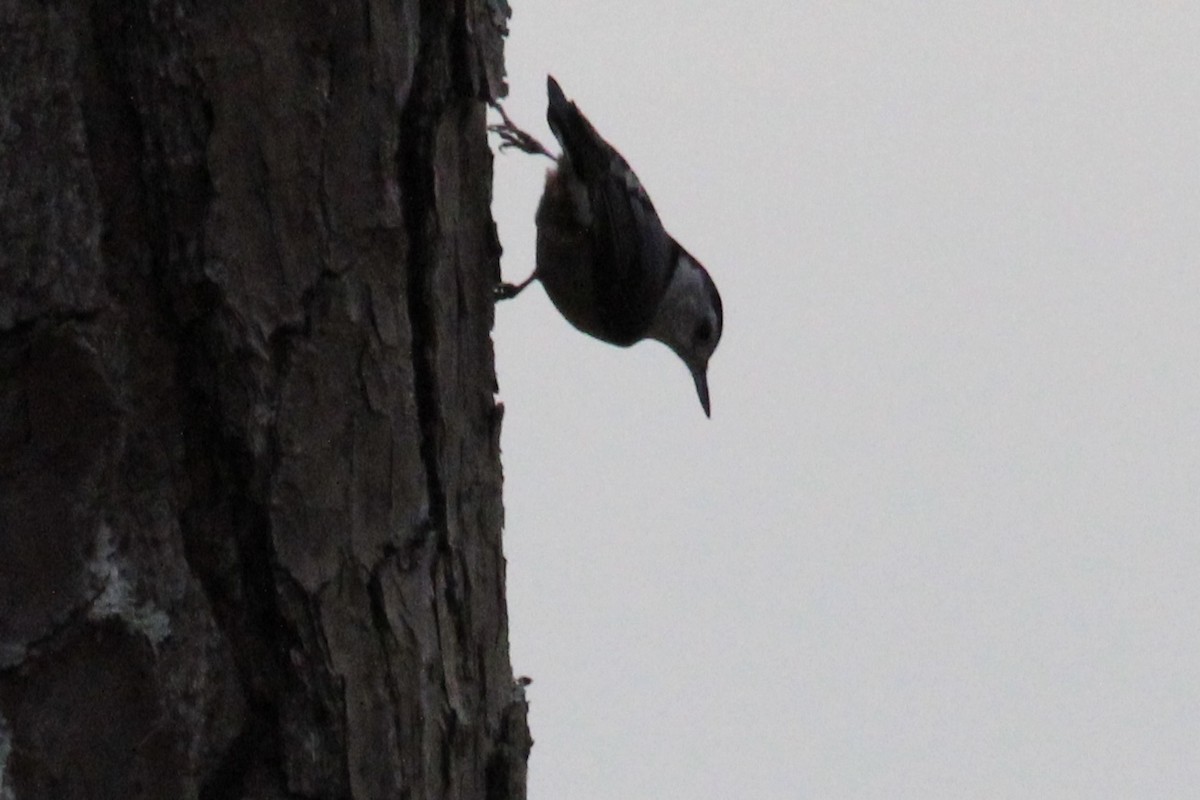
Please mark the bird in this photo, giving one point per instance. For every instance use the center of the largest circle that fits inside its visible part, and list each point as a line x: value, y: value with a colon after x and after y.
x: 603, y: 256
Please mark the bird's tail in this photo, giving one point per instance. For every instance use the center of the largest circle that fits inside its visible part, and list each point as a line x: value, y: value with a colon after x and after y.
x: 590, y: 155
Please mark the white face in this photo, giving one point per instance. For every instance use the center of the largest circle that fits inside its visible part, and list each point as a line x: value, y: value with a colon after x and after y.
x: 704, y: 335
x: 687, y: 322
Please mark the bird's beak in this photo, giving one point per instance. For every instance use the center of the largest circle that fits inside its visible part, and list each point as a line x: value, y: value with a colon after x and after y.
x: 700, y: 376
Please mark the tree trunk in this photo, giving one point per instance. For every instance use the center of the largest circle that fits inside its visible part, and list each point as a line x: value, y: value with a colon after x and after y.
x: 250, y: 490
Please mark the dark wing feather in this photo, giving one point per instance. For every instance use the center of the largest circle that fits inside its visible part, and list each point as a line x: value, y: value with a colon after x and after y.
x: 633, y: 266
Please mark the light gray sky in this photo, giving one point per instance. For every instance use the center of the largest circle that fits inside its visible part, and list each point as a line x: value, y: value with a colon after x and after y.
x: 941, y: 537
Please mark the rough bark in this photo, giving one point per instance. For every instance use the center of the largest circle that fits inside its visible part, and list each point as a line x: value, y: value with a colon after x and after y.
x: 250, y: 492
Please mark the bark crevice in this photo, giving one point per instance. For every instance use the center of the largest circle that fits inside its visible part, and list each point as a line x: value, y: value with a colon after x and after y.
x: 249, y: 467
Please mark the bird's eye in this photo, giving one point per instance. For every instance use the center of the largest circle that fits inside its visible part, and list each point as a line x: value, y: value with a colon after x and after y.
x: 703, y: 332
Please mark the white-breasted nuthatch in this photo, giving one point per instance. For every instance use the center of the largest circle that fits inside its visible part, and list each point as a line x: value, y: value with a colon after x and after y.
x: 603, y: 256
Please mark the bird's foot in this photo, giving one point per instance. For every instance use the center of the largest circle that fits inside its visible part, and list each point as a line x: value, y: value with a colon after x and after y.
x: 512, y: 136
x: 507, y: 291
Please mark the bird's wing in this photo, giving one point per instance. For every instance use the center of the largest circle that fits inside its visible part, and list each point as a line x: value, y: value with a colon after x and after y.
x: 633, y: 266
x: 630, y: 248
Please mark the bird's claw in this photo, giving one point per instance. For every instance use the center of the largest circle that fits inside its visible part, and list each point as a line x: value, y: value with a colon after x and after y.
x: 512, y: 136
x: 505, y: 291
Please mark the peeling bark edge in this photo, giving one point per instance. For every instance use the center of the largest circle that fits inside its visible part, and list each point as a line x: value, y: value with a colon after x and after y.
x: 198, y: 529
